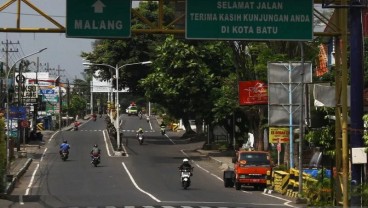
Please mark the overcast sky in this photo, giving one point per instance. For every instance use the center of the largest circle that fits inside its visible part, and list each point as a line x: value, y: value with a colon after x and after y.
x: 61, y: 52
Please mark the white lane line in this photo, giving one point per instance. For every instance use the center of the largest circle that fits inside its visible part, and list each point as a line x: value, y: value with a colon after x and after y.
x: 136, y: 186
x: 52, y: 136
x: 202, y: 168
x: 31, y: 182
x: 286, y: 201
x: 21, y: 200
x: 43, y: 154
x: 209, y: 172
x: 106, y: 145
x: 170, y: 139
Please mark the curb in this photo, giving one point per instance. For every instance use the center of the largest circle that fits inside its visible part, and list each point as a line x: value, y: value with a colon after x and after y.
x: 20, y: 173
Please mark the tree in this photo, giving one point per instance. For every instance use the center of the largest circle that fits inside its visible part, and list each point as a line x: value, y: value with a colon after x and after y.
x: 185, y: 74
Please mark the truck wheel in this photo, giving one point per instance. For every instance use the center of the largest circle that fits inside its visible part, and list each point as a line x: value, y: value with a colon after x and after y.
x: 227, y: 182
x: 237, y: 185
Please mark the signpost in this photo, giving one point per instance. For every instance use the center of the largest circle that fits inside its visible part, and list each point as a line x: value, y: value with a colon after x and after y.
x: 249, y: 20
x: 98, y: 19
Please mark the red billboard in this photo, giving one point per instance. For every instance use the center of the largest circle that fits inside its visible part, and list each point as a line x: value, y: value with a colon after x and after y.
x: 253, y: 92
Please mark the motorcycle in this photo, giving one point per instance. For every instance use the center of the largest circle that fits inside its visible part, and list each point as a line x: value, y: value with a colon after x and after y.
x: 147, y: 119
x: 95, y: 160
x: 140, y: 116
x: 64, y: 155
x: 140, y: 138
x: 75, y: 128
x: 185, y: 175
x: 163, y: 131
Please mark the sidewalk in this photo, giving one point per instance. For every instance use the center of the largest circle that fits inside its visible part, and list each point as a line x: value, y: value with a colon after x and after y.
x: 223, y: 158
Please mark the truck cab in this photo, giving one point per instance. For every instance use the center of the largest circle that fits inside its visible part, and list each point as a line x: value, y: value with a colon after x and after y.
x: 132, y: 110
x: 250, y: 168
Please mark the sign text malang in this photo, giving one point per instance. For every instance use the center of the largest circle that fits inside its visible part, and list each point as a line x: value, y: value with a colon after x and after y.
x: 259, y: 20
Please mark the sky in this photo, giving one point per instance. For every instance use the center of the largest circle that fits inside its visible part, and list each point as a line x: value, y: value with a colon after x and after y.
x: 63, y: 53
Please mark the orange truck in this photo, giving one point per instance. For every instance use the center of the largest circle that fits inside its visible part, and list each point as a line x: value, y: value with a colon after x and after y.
x: 250, y: 169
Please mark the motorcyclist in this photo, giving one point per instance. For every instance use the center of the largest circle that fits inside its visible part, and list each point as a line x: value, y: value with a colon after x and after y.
x: 95, y: 152
x: 163, y: 127
x: 186, y: 166
x: 139, y: 131
x: 76, y: 124
x: 64, y: 147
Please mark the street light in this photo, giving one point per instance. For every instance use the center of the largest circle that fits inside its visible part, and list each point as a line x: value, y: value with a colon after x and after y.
x: 7, y: 106
x: 117, y: 123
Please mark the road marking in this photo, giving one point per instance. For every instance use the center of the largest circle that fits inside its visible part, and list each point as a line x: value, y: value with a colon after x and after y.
x: 106, y: 145
x: 21, y: 200
x: 170, y: 139
x: 43, y: 154
x: 136, y: 185
x: 32, y: 178
x: 286, y: 201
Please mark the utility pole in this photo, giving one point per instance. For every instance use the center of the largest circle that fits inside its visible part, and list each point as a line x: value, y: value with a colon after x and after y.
x: 68, y: 95
x: 60, y: 96
x: 6, y: 51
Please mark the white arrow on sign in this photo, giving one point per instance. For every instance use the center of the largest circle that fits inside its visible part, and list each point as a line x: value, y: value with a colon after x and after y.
x: 98, y: 5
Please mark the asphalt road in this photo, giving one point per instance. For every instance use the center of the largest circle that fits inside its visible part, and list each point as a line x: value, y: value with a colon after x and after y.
x: 147, y: 176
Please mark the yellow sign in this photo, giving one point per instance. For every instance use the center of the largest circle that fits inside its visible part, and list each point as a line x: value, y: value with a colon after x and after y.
x: 279, y: 134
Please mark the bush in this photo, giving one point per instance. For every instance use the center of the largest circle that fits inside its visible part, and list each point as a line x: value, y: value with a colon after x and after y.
x: 319, y: 190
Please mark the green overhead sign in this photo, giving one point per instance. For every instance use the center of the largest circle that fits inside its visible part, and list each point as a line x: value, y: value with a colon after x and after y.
x: 98, y: 19
x: 249, y: 20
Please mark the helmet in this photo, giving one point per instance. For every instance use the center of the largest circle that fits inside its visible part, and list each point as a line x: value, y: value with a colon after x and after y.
x: 185, y: 160
x: 65, y: 141
x: 95, y: 145
x: 140, y: 129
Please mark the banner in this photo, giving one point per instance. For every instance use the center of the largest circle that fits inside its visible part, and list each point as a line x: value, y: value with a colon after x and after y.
x: 253, y: 92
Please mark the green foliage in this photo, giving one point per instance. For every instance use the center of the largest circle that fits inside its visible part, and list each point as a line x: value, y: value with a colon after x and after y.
x: 362, y: 191
x: 318, y: 191
x: 77, y: 104
x: 186, y: 75
x: 365, y: 134
x: 227, y: 98
x: 323, y: 138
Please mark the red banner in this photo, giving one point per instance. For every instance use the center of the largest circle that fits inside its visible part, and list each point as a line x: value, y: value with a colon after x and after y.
x: 365, y: 22
x: 253, y: 92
